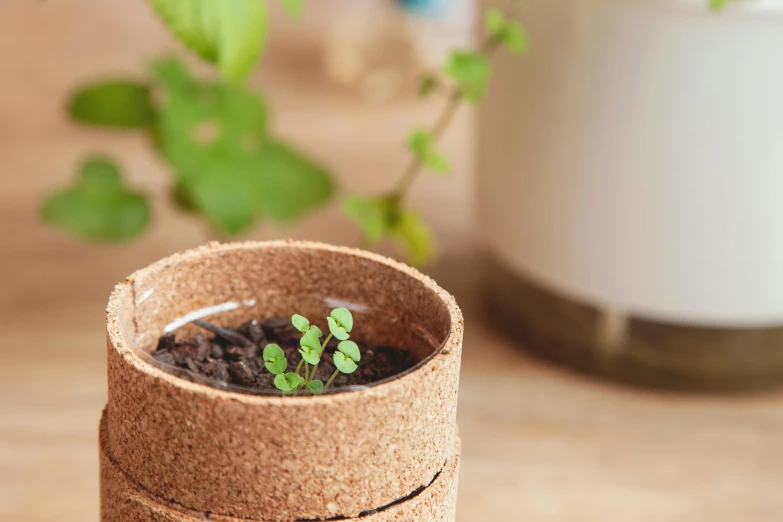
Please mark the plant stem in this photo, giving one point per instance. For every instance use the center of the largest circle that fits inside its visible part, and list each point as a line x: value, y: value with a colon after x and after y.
x: 323, y: 347
x: 307, y: 373
x: 415, y: 166
x: 331, y: 379
x: 299, y: 366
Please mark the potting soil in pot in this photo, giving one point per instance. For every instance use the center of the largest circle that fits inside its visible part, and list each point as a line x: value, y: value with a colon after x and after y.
x: 234, y: 355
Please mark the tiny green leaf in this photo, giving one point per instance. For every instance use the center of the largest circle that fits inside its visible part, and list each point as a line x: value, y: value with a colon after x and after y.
x: 293, y: 7
x: 471, y: 72
x: 494, y: 22
x: 510, y: 32
x: 274, y: 359
x: 516, y: 37
x: 310, y: 355
x: 337, y: 330
x: 343, y: 317
x: 300, y: 323
x: 344, y: 363
x: 98, y: 206
x: 415, y: 237
x: 317, y: 387
x: 294, y: 380
x: 350, y: 350
x: 121, y: 104
x: 317, y: 331
x: 272, y: 352
x: 277, y: 366
x: 421, y: 144
x: 311, y: 339
x: 281, y: 383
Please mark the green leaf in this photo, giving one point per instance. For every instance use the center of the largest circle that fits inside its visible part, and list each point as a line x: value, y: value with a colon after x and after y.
x: 317, y: 387
x: 510, y: 32
x: 337, y: 330
x: 421, y: 144
x: 471, y: 72
x: 291, y: 184
x: 293, y: 7
x: 415, y: 237
x: 350, y: 350
x: 717, y: 5
x: 272, y: 352
x: 343, y: 363
x: 294, y: 380
x: 311, y: 339
x: 277, y: 366
x: 274, y: 359
x: 122, y: 104
x: 494, y: 22
x: 343, y: 318
x: 300, y: 323
x: 315, y: 330
x: 372, y: 215
x: 229, y: 33
x: 310, y: 355
x: 226, y: 166
x: 516, y: 38
x: 98, y: 206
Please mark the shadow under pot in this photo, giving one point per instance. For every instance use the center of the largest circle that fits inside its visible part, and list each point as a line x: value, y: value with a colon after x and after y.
x: 195, y: 427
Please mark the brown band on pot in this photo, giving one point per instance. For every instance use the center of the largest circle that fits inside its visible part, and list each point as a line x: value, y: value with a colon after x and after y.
x: 271, y: 457
x: 124, y: 501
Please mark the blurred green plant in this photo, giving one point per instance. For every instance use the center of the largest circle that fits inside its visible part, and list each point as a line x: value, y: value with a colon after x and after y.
x: 468, y: 74
x: 227, y: 165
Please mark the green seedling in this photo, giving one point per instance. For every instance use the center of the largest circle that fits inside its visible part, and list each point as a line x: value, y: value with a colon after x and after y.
x: 311, y: 348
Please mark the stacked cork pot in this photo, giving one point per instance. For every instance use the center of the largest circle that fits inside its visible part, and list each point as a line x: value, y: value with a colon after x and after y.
x: 176, y: 450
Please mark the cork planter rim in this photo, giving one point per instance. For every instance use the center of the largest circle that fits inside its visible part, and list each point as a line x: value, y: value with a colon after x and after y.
x: 203, y: 385
x: 273, y: 457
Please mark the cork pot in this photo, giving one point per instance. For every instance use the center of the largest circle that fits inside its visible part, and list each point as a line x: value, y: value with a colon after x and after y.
x: 179, y: 450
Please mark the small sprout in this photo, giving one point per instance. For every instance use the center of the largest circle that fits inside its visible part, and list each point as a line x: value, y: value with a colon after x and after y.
x: 344, y: 363
x: 340, y: 323
x: 311, y: 348
x: 350, y: 349
x: 303, y: 325
x: 317, y: 387
x: 274, y: 359
x: 300, y: 323
x: 316, y: 330
x: 288, y: 382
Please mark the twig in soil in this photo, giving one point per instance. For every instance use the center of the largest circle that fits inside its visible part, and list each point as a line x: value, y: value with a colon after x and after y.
x: 226, y: 333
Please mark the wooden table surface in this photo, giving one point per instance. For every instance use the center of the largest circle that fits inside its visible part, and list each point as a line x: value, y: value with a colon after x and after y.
x: 539, y: 444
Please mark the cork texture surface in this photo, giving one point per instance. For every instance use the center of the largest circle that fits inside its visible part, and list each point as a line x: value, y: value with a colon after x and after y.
x: 279, y: 458
x: 122, y: 500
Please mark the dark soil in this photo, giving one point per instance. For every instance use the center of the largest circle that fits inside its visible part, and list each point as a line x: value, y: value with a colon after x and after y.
x: 234, y: 356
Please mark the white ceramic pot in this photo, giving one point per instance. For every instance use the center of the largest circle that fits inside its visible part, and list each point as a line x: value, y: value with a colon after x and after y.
x: 632, y: 165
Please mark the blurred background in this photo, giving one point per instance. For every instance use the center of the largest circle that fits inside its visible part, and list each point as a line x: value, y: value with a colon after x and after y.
x: 612, y: 206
